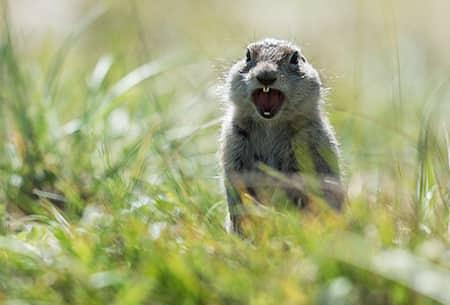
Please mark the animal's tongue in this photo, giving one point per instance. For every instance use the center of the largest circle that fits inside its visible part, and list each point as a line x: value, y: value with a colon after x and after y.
x: 268, y: 103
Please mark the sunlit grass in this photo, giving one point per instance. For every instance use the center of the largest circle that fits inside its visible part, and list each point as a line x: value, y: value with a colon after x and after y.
x: 110, y: 189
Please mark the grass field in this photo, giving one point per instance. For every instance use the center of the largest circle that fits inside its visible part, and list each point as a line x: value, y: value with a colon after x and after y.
x: 109, y: 175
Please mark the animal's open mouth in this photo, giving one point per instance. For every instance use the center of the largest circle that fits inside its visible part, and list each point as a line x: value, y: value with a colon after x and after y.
x: 268, y: 101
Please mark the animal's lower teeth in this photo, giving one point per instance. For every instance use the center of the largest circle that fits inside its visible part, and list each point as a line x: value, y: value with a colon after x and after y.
x: 266, y: 113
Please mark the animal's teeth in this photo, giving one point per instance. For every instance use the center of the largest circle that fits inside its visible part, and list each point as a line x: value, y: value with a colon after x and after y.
x: 266, y: 89
x: 266, y: 113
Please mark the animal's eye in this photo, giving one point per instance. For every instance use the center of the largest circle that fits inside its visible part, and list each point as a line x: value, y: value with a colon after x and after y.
x: 248, y: 56
x: 294, y: 58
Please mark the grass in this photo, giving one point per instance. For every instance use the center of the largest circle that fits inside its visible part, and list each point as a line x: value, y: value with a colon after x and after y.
x: 110, y: 191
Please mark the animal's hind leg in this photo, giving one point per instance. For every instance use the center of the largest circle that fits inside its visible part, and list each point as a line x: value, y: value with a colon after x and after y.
x: 235, y: 208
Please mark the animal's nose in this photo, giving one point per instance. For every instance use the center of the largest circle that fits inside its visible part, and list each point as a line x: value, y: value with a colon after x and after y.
x: 266, y: 78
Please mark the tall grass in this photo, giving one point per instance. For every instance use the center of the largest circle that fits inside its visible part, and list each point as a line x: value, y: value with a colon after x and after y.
x: 110, y: 190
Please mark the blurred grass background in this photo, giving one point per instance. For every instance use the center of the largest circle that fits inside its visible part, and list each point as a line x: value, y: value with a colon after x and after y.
x: 109, y: 179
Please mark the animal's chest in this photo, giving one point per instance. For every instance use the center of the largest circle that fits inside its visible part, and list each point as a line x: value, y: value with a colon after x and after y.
x: 272, y: 148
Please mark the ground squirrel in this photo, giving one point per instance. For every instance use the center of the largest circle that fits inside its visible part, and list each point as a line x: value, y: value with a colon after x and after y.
x: 275, y: 132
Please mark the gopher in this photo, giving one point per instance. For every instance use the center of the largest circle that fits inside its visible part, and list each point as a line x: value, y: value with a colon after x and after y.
x: 275, y: 133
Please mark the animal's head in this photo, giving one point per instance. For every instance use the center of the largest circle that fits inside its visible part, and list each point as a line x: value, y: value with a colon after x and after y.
x: 274, y: 81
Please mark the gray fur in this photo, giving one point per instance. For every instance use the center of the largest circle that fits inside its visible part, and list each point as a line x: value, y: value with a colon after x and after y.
x: 297, y: 142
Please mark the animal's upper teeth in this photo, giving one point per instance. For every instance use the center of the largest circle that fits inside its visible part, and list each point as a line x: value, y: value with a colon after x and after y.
x: 266, y: 89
